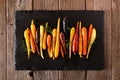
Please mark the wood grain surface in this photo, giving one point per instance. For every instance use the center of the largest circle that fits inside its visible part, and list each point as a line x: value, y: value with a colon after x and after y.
x: 111, y: 39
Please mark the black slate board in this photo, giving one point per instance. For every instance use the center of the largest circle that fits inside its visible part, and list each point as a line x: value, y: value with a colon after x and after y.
x: 96, y: 57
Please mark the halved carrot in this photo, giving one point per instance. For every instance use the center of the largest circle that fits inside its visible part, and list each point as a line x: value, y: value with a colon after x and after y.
x: 27, y: 40
x: 45, y: 36
x: 72, y: 32
x: 84, y: 37
x: 61, y: 51
x: 57, y: 39
x: 49, y: 45
x: 41, y: 40
x: 33, y: 30
x: 92, y: 39
x: 54, y: 32
x: 75, y: 40
x: 80, y: 40
x: 90, y: 32
x: 62, y: 40
x: 32, y: 42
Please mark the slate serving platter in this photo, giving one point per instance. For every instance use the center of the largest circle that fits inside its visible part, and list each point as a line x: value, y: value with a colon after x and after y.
x: 96, y: 57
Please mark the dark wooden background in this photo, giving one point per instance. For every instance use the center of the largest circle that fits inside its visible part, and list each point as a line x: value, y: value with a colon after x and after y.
x: 111, y: 31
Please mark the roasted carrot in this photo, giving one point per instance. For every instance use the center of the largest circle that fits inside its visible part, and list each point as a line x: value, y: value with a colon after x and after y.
x: 54, y: 32
x: 61, y: 51
x: 75, y: 40
x: 92, y: 39
x: 80, y: 40
x: 27, y: 40
x: 41, y: 40
x: 49, y: 46
x: 72, y: 32
x: 84, y: 37
x: 62, y: 40
x: 45, y: 36
x: 33, y: 30
x: 32, y: 42
x: 57, y: 39
x: 90, y: 32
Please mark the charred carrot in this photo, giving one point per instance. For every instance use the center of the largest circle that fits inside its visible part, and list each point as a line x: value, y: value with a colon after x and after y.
x: 45, y: 36
x: 57, y: 39
x: 54, y: 32
x: 32, y: 42
x: 33, y: 30
x: 49, y: 45
x: 75, y: 40
x: 27, y: 40
x: 90, y: 32
x: 84, y: 37
x: 80, y: 40
x: 72, y: 32
x: 61, y: 51
x: 62, y: 40
x: 41, y: 40
x: 92, y: 39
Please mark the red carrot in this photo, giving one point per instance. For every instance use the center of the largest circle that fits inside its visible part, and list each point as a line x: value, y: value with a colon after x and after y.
x: 61, y: 51
x: 75, y: 40
x: 62, y: 40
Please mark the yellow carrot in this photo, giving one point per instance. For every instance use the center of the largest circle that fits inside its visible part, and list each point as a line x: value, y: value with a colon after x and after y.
x: 33, y: 30
x: 80, y: 40
x: 92, y: 39
x: 72, y: 32
x: 54, y: 32
x: 45, y: 36
x: 57, y: 39
x: 27, y: 40
x: 41, y: 40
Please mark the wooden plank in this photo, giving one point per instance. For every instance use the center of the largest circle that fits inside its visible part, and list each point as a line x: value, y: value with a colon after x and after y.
x: 38, y: 4
x: 106, y: 6
x: 51, y: 4
x: 3, y: 40
x: 12, y: 6
x: 115, y: 39
x: 46, y: 5
x: 72, y: 5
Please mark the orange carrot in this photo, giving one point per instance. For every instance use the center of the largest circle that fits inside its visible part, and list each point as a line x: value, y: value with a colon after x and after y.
x: 75, y: 40
x: 32, y: 42
x: 80, y: 41
x: 49, y: 45
x: 84, y: 37
x: 90, y: 32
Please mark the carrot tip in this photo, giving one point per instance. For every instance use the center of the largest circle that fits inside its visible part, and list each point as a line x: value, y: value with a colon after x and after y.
x: 81, y: 56
x: 86, y: 57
